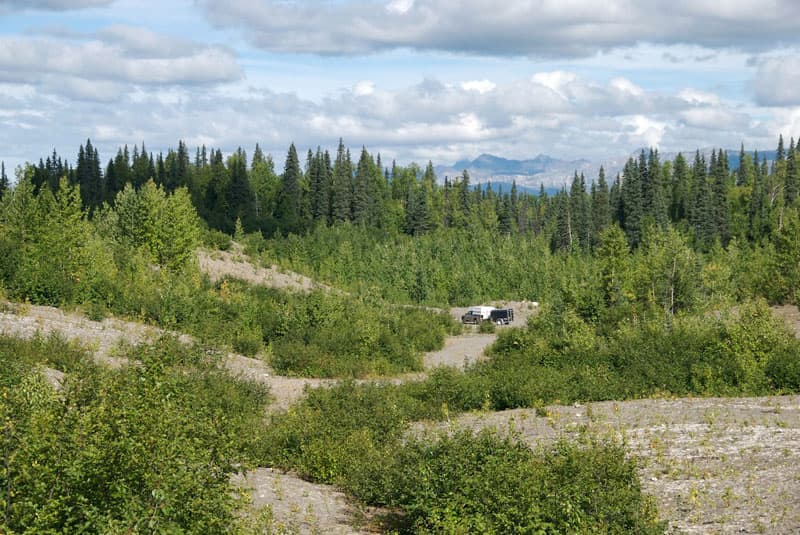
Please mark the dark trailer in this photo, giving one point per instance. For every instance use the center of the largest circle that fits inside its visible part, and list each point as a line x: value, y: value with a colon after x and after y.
x: 502, y: 316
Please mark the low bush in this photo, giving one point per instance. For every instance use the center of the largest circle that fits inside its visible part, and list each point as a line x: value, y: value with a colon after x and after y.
x: 146, y: 448
x: 559, y: 357
x: 356, y: 436
x: 483, y: 483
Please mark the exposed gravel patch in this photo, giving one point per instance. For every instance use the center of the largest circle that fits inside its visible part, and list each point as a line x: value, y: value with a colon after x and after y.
x: 714, y: 465
x: 220, y: 264
x: 102, y: 338
x: 459, y: 351
x: 791, y: 315
x: 299, y: 506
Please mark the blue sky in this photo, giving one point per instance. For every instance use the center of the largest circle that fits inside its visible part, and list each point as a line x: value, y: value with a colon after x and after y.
x: 412, y: 79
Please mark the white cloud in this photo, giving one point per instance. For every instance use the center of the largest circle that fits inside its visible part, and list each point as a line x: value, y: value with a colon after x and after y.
x: 544, y: 28
x: 481, y: 86
x: 36, y: 60
x: 135, y: 41
x: 695, y: 96
x: 777, y: 81
x: 556, y: 81
x: 647, y: 130
x: 626, y: 86
x: 364, y: 88
x: 399, y: 7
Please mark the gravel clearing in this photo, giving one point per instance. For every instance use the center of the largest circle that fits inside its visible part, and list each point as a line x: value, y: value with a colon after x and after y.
x: 220, y: 264
x: 713, y: 465
x: 298, y: 506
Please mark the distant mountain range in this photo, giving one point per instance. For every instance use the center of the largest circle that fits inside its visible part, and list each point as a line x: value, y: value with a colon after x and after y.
x: 543, y: 169
x: 554, y: 173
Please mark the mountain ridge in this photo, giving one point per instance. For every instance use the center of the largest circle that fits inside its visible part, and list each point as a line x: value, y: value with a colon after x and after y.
x: 552, y: 172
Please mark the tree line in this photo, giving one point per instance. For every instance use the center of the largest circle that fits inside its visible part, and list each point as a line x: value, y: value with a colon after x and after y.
x: 705, y: 198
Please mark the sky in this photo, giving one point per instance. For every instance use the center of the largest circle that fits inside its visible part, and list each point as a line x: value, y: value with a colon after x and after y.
x: 414, y: 80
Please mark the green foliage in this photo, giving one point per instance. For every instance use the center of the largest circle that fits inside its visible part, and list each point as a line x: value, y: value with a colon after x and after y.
x: 53, y: 256
x: 147, y: 448
x: 451, y: 266
x: 165, y: 226
x: 483, y: 483
x: 216, y: 240
x: 319, y: 334
x: 559, y: 357
x: 354, y: 436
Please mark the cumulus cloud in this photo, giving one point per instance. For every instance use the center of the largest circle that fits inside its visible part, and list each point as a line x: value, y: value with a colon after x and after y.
x: 558, y: 113
x: 364, y: 88
x: 141, y: 42
x: 542, y: 28
x: 129, y: 57
x: 481, y: 86
x: 777, y: 81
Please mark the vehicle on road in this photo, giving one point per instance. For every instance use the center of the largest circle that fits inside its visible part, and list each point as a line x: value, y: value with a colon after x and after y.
x: 502, y: 316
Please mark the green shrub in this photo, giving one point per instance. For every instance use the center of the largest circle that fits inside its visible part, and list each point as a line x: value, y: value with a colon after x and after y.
x: 486, y: 327
x: 146, y: 448
x: 783, y: 370
x: 216, y: 240
x: 482, y: 483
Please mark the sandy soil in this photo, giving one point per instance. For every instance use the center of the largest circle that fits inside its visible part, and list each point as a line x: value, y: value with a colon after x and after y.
x: 791, y: 315
x: 220, y: 264
x: 459, y: 351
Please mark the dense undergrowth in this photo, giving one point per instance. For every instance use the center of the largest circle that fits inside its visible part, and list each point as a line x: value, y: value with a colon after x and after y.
x: 356, y: 435
x: 319, y: 334
x: 145, y: 448
x: 460, y: 267
x: 137, y: 259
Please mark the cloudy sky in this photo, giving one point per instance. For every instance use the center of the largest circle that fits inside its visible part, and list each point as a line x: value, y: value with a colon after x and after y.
x: 412, y: 79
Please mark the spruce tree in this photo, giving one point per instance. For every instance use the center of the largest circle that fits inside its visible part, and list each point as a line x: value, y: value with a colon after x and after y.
x: 240, y: 199
x: 215, y: 200
x: 319, y: 186
x: 361, y: 187
x: 601, y: 206
x: 681, y: 190
x: 791, y: 185
x: 418, y: 218
x: 579, y: 221
x: 632, y: 209
x: 744, y: 174
x: 89, y: 176
x: 341, y: 194
x: 464, y: 201
x: 562, y: 238
x: 658, y: 198
x: 288, y: 208
x: 719, y: 198
x: 4, y: 184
